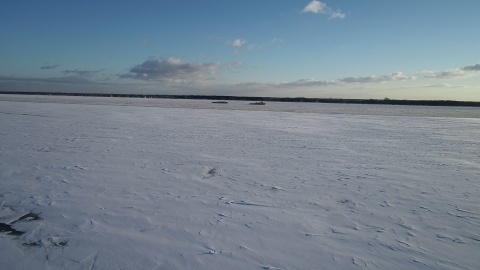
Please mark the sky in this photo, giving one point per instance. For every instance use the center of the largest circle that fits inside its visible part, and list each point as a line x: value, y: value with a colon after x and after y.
x: 405, y: 49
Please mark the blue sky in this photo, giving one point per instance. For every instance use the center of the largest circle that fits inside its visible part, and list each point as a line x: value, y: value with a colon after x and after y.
x: 406, y: 49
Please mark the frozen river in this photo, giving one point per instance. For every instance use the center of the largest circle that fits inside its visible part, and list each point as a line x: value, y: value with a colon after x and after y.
x: 117, y: 183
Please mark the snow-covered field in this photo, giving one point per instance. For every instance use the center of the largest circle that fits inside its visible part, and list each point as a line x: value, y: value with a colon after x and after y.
x: 170, y: 184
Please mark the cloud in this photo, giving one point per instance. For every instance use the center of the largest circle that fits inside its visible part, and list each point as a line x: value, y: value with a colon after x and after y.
x: 341, y: 82
x: 309, y: 82
x: 456, y: 73
x: 443, y: 85
x: 396, y: 76
x: 67, y: 84
x: 48, y: 67
x: 318, y: 7
x: 81, y: 73
x: 366, y: 79
x: 337, y: 15
x: 171, y: 70
x: 472, y: 68
x: 315, y: 7
x: 448, y: 74
x: 67, y: 79
x: 237, y: 42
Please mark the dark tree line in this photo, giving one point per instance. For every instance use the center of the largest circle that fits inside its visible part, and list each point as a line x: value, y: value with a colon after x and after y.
x: 278, y: 99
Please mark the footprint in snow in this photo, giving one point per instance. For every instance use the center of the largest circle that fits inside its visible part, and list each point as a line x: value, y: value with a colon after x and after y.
x: 347, y: 202
x: 210, y: 172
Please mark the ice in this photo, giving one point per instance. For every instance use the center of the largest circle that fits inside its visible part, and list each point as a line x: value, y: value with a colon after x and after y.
x: 99, y: 183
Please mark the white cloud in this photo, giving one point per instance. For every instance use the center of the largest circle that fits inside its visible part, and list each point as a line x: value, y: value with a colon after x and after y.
x: 237, y: 42
x: 322, y: 8
x: 396, y: 76
x: 337, y: 15
x: 315, y: 7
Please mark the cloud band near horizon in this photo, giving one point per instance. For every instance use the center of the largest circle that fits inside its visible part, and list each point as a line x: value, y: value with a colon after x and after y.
x: 171, y: 70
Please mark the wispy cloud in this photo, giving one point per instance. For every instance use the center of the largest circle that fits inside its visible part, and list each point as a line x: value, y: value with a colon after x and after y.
x: 48, y: 66
x: 448, y: 74
x: 308, y: 82
x: 237, y: 42
x: 146, y: 42
x: 346, y: 81
x: 241, y: 45
x: 191, y: 78
x: 67, y: 79
x: 318, y: 7
x: 81, y: 73
x: 396, y: 76
x: 171, y: 70
x: 272, y: 42
x: 443, y: 85
x: 456, y: 73
x: 337, y: 15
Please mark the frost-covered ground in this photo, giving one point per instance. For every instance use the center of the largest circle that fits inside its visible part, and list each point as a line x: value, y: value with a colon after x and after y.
x: 143, y: 186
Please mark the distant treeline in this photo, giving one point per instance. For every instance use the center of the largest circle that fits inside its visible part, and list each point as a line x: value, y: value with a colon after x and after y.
x: 278, y: 99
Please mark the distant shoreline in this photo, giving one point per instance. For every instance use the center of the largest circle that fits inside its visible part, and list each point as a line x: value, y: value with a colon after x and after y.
x: 385, y: 101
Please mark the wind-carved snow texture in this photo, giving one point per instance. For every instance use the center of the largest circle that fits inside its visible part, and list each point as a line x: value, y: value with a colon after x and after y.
x: 8, y: 227
x: 129, y: 187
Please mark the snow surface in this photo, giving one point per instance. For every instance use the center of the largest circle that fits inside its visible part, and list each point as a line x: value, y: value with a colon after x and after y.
x: 143, y: 186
